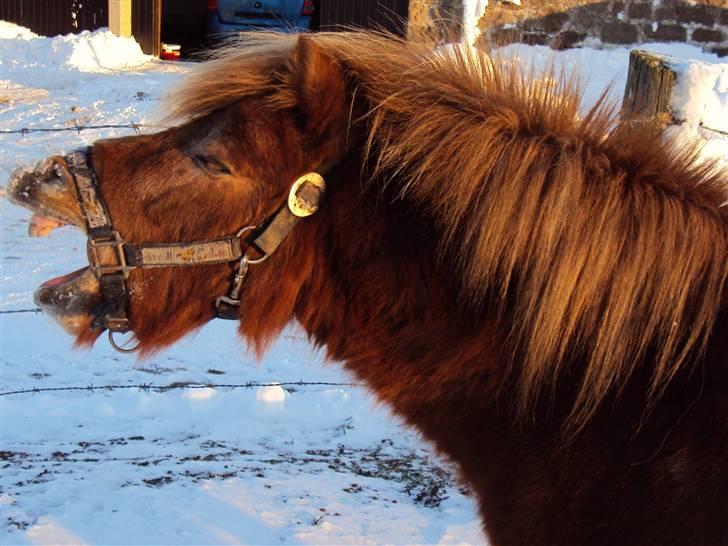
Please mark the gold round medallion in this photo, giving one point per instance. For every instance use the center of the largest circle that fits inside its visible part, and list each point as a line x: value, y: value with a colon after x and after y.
x: 305, y: 195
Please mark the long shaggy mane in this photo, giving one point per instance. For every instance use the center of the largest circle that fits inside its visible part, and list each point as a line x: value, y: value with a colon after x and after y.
x: 599, y: 244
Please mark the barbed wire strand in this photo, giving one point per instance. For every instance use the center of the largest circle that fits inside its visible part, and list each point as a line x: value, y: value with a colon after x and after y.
x: 136, y: 127
x: 16, y: 311
x: 146, y: 387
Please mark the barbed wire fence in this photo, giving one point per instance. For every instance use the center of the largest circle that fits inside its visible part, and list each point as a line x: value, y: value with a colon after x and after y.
x: 150, y: 387
x: 138, y: 127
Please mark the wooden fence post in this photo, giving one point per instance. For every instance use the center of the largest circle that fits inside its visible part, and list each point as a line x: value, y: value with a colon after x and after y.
x: 650, y: 82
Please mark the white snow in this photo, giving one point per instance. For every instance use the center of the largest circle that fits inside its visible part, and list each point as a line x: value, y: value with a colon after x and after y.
x: 11, y: 30
x: 271, y: 395
x: 271, y: 465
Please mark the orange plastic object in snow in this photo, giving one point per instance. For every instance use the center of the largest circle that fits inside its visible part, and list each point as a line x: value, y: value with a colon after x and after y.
x: 170, y: 52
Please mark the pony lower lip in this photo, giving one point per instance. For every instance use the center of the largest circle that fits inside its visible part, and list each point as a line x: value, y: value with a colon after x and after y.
x: 70, y: 299
x: 42, y: 226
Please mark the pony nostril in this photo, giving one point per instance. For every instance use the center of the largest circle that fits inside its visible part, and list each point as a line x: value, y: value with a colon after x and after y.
x: 44, y: 166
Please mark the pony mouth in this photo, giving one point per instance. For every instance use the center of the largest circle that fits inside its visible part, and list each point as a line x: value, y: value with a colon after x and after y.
x: 48, y: 190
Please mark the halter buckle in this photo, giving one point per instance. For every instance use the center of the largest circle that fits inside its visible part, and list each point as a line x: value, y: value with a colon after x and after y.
x: 97, y: 253
x: 227, y: 308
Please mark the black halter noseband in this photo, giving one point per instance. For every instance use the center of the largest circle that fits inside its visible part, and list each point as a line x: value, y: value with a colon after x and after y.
x: 111, y: 258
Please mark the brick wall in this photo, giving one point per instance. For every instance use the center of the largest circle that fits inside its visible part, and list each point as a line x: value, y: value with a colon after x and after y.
x: 566, y: 23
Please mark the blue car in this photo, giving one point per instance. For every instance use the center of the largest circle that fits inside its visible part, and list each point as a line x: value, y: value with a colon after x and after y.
x: 225, y: 16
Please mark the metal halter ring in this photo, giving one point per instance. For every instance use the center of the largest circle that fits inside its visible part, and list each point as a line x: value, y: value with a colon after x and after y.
x: 119, y: 347
x: 249, y: 260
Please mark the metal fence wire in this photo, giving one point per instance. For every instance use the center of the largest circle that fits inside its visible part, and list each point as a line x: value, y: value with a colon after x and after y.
x: 148, y: 387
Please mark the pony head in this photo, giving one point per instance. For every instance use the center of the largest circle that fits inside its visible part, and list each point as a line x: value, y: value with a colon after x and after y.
x: 229, y: 165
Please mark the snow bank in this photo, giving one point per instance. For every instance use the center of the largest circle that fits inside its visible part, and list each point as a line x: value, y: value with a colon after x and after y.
x: 701, y: 95
x: 97, y: 51
x: 700, y: 102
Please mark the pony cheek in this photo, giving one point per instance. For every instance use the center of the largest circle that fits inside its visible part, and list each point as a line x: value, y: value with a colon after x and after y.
x: 166, y: 304
x: 270, y: 295
x: 88, y: 335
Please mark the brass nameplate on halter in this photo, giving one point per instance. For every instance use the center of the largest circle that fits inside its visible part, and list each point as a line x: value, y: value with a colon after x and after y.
x: 305, y: 195
x: 190, y: 254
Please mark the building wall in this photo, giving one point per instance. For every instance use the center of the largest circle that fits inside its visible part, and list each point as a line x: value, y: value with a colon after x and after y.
x: 567, y: 23
x: 52, y: 17
x: 435, y: 21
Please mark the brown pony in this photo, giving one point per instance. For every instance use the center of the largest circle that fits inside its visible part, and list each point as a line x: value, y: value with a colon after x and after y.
x: 538, y: 291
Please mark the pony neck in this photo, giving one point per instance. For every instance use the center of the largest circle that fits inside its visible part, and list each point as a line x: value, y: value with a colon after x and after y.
x: 384, y: 303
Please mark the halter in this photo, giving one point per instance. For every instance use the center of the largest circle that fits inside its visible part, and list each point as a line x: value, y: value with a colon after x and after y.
x: 111, y: 258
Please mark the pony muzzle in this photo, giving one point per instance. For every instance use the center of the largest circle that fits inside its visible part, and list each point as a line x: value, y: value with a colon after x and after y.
x: 49, y: 192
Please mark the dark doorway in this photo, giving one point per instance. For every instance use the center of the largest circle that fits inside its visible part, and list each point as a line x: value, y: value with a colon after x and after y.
x: 146, y: 17
x: 180, y: 22
x: 390, y: 15
x: 184, y: 23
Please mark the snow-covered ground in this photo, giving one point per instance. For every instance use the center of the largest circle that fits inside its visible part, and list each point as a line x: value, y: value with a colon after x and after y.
x: 269, y: 465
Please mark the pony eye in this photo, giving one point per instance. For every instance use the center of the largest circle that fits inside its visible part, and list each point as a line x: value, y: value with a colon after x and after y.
x: 210, y: 164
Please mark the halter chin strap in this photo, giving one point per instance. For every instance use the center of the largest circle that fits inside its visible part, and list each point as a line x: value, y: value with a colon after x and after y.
x: 111, y: 258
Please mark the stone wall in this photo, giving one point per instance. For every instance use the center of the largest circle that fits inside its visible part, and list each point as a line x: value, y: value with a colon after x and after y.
x: 566, y: 23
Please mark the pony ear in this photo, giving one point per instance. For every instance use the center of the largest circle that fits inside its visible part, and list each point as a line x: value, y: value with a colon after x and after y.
x: 319, y: 86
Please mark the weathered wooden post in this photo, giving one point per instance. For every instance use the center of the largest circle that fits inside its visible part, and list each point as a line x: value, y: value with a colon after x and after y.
x: 650, y: 82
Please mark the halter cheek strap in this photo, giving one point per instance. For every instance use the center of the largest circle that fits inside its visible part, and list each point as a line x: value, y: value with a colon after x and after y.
x: 111, y: 258
x: 105, y: 248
